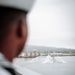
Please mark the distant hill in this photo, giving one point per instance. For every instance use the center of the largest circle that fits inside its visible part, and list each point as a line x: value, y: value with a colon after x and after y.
x: 46, y: 49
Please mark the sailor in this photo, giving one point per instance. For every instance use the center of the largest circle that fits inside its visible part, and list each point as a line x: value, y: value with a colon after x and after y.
x: 13, y: 32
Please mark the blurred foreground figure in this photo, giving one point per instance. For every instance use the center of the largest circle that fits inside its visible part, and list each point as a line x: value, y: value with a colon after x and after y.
x: 13, y: 32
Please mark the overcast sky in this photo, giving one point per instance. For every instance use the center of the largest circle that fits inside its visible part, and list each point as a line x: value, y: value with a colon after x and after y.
x: 52, y: 23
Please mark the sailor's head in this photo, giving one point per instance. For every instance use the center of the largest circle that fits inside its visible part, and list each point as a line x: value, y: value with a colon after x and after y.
x: 13, y: 26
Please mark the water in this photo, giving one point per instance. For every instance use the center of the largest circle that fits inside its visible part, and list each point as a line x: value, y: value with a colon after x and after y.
x: 43, y: 65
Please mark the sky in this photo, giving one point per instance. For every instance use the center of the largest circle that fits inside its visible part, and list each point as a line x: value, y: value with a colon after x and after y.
x: 52, y: 23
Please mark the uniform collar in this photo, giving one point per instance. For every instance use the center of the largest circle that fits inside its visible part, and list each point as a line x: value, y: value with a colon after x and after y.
x: 4, y: 61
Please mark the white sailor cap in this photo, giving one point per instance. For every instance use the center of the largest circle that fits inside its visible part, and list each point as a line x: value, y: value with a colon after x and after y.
x: 24, y: 5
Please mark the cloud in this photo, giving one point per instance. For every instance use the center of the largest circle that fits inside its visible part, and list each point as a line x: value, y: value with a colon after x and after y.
x: 52, y: 24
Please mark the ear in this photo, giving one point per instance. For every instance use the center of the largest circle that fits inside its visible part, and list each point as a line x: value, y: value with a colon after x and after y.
x: 22, y: 29
x: 19, y: 29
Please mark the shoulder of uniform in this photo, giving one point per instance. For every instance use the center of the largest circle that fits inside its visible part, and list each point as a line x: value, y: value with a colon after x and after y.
x: 4, y: 72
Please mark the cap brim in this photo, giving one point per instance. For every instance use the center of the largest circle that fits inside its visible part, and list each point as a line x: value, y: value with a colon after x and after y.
x: 24, y: 5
